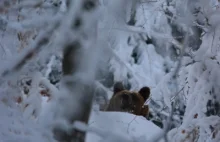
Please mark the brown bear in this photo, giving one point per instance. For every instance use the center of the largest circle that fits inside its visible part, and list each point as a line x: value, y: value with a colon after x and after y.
x: 129, y: 101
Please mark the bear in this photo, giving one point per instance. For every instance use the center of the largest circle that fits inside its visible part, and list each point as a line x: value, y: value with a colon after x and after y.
x: 129, y: 101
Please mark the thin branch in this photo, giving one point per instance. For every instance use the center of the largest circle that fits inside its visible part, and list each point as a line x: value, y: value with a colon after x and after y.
x: 38, y: 22
x: 176, y: 71
x: 41, y: 40
x: 31, y: 4
x: 134, y: 29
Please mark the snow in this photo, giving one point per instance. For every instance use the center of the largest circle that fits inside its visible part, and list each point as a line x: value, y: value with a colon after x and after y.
x: 153, y: 66
x: 117, y: 125
x: 123, y: 124
x: 15, y: 127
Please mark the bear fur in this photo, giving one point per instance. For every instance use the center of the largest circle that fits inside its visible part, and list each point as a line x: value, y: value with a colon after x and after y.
x: 129, y: 101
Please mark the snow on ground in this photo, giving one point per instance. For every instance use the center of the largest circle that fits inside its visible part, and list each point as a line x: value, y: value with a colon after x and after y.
x: 120, y: 123
x: 14, y: 127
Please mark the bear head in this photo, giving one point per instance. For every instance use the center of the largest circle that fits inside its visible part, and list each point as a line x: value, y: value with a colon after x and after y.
x: 129, y: 101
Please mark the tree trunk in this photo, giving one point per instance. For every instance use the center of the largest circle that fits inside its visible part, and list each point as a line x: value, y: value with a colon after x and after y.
x: 79, y: 86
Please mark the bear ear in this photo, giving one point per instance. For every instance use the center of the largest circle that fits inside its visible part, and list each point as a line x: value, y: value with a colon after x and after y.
x: 145, y: 92
x: 118, y: 86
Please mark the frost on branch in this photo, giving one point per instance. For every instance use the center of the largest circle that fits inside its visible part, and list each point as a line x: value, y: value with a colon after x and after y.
x: 140, y: 50
x: 200, y: 80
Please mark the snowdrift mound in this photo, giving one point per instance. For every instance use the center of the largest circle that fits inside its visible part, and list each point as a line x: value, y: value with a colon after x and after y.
x: 122, y: 125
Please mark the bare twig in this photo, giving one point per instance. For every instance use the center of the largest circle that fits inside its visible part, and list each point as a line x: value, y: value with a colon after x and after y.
x: 129, y: 124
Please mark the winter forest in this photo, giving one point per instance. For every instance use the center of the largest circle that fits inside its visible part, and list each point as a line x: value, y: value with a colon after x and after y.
x: 61, y: 59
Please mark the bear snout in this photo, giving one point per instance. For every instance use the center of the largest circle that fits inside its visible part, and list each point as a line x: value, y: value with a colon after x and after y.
x: 126, y: 97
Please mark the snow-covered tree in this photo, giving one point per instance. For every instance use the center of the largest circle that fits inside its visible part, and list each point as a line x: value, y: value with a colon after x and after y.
x: 60, y: 59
